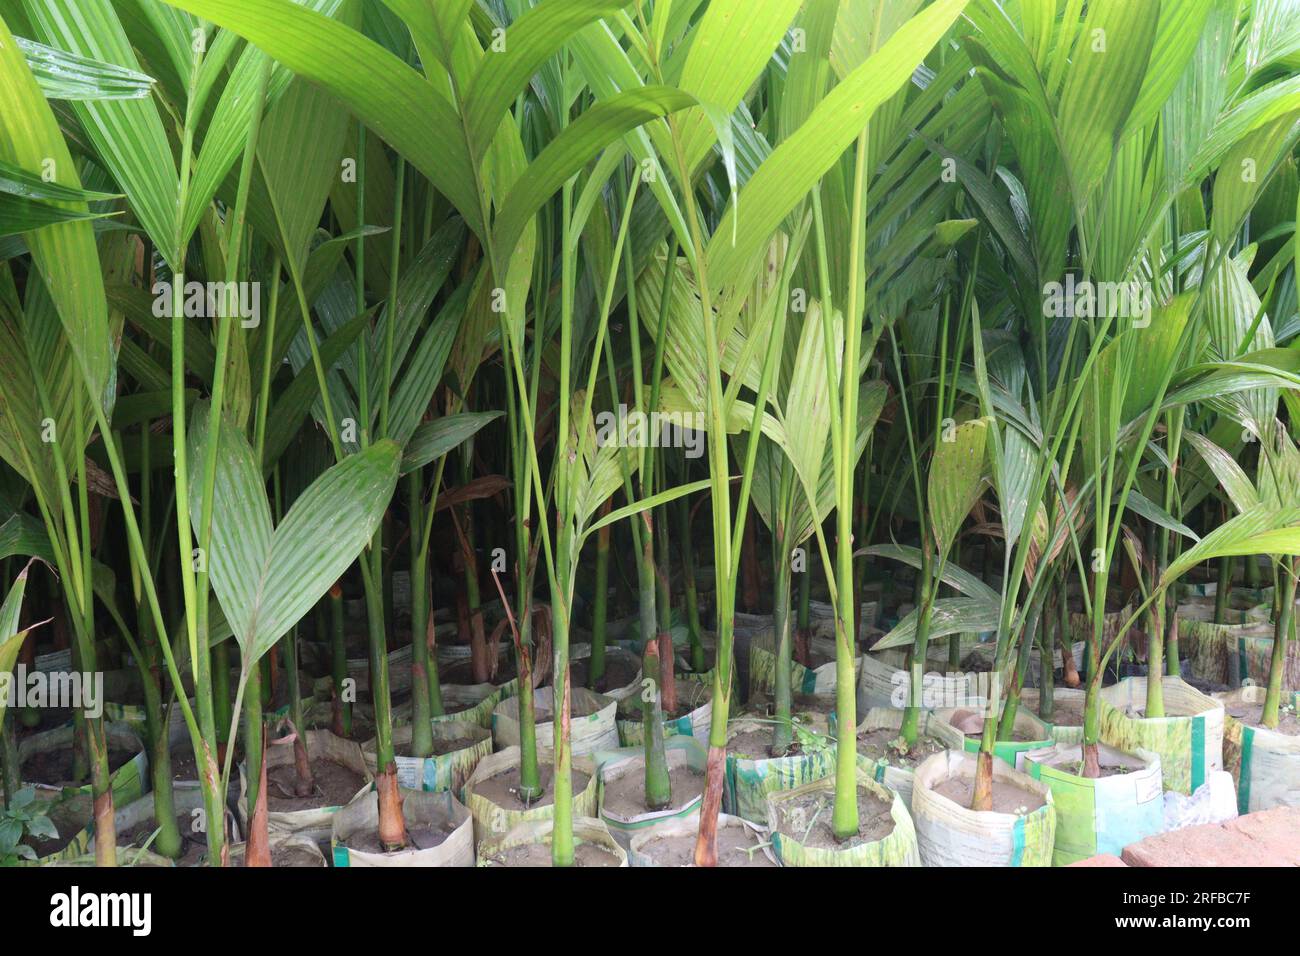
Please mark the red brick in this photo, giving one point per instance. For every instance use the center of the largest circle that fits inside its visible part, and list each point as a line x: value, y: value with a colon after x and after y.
x: 1277, y: 829
x: 1206, y: 845
x: 1101, y: 859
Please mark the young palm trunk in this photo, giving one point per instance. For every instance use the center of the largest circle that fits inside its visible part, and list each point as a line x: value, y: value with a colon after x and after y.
x: 782, y: 693
x: 1222, y: 589
x: 657, y: 787
x: 339, y: 664
x: 1011, y: 708
x: 803, y: 628
x: 693, y: 628
x: 562, y: 782
x: 10, y: 771
x: 1281, y: 634
x: 664, y: 610
x: 392, y: 824
x: 600, y: 603
x: 168, y: 841
x: 916, y: 660
x: 421, y: 705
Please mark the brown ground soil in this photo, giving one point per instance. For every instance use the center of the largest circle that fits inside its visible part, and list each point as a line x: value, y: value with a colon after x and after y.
x: 619, y: 672
x: 1006, y: 798
x: 419, y: 838
x: 502, y: 789
x: 1066, y: 713
x: 539, y: 854
x: 54, y: 767
x: 335, y: 786
x: 194, y: 844
x: 1249, y: 714
x: 807, y: 819
x: 625, y: 797
x: 734, y: 844
x: 875, y: 744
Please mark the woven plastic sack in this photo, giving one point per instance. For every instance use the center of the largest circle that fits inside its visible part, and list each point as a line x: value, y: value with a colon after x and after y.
x: 952, y: 835
x: 321, y: 745
x: 1102, y: 815
x: 895, y: 777
x: 439, y: 810
x: 620, y: 763
x: 1265, y: 764
x: 694, y: 723
x: 596, y: 730
x: 1189, y: 739
x: 641, y: 850
x: 899, y: 848
x: 493, y: 820
x: 585, y: 830
x: 749, y: 779
x: 447, y: 771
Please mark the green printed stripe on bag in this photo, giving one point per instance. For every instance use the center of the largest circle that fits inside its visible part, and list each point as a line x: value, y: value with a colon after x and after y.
x: 341, y: 856
x: 1018, y: 842
x: 1198, y: 752
x: 1243, y: 784
x: 809, y: 684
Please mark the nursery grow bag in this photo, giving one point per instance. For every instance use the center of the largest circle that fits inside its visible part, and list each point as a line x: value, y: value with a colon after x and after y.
x: 899, y: 778
x: 315, y: 823
x: 596, y: 730
x: 188, y: 805
x: 694, y: 723
x: 689, y: 753
x: 818, y: 680
x: 439, y: 811
x: 952, y: 835
x: 1036, y: 733
x: 750, y: 779
x: 490, y: 819
x: 1061, y: 733
x: 898, y: 848
x: 1265, y: 764
x: 129, y: 782
x: 1102, y: 815
x: 1251, y: 656
x: 646, y: 849
x: 445, y: 771
x: 884, y: 682
x: 1214, y: 650
x: 585, y: 830
x: 1189, y: 740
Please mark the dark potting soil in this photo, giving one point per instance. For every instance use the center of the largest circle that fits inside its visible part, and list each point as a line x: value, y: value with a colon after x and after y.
x: 1006, y: 797
x: 619, y: 672
x: 47, y: 846
x: 502, y: 789
x: 194, y: 844
x: 625, y: 797
x: 807, y: 819
x: 539, y: 854
x: 757, y: 745
x: 1066, y: 713
x: 736, y: 847
x: 1106, y: 769
x: 335, y: 786
x: 418, y: 838
x: 184, y: 766
x: 1250, y: 714
x: 54, y: 767
x: 879, y: 745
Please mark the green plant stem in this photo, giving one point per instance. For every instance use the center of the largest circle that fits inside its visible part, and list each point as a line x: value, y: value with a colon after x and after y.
x: 1282, y: 632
